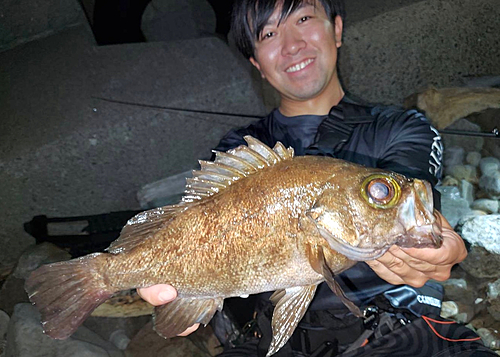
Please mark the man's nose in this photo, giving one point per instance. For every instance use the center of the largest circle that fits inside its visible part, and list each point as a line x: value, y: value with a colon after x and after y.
x: 292, y: 42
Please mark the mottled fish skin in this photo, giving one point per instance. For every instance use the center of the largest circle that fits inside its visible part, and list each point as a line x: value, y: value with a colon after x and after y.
x: 255, y: 220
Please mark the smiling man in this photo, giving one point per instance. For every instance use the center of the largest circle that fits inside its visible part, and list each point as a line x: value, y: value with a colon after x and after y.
x: 294, y: 45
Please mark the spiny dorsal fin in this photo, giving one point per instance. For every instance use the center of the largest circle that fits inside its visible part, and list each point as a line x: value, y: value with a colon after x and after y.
x: 230, y: 166
x: 212, y: 178
x: 143, y: 226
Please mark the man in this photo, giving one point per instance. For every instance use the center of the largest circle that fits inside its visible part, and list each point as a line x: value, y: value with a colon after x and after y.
x: 294, y: 46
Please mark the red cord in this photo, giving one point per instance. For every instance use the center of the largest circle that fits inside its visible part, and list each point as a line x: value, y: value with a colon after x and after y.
x: 428, y: 319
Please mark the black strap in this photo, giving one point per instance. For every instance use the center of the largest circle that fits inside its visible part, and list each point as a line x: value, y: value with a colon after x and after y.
x: 337, y: 128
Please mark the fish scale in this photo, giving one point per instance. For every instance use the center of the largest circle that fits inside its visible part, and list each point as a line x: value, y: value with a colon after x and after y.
x: 257, y: 219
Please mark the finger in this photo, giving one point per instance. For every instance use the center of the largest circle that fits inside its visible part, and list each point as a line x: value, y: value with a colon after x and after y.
x: 412, y: 262
x: 158, y: 294
x: 396, y: 271
x: 383, y: 272
x: 189, y: 330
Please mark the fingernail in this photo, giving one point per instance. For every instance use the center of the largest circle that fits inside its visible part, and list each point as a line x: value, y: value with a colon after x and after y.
x: 165, y: 297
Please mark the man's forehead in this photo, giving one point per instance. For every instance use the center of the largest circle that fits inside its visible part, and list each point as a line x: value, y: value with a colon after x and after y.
x: 279, y: 15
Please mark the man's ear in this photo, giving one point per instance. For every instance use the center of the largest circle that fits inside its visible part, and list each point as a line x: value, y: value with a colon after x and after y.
x: 339, y: 27
x: 256, y: 65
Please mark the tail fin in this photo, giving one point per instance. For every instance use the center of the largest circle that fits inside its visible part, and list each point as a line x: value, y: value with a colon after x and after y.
x: 66, y: 293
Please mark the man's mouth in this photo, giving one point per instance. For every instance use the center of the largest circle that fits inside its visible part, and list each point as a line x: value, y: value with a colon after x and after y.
x: 299, y: 66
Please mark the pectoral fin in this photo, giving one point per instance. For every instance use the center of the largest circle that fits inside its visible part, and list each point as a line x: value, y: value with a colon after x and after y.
x: 174, y: 318
x: 291, y: 305
x: 336, y: 288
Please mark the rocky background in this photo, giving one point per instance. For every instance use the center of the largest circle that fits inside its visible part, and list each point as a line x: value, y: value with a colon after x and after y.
x: 84, y: 130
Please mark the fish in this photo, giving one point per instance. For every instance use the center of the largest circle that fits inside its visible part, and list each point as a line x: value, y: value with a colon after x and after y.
x: 255, y: 219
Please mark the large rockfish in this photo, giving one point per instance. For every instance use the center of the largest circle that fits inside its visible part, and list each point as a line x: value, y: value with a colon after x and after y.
x: 256, y: 219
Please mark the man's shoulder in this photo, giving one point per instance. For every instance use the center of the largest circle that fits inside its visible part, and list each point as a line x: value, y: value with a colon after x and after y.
x: 397, y: 120
x: 259, y: 129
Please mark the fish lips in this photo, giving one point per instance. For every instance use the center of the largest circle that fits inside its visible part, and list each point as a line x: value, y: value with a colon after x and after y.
x: 429, y: 236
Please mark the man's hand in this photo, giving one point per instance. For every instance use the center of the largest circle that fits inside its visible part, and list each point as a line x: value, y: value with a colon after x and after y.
x: 161, y: 294
x: 415, y: 266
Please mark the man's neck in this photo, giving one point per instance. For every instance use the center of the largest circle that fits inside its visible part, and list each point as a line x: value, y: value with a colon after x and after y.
x: 320, y: 105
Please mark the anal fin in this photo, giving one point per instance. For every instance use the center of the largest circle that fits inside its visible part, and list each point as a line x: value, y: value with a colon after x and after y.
x: 175, y: 317
x: 291, y: 305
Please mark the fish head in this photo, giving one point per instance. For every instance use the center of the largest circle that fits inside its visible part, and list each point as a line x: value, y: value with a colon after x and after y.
x: 362, y: 212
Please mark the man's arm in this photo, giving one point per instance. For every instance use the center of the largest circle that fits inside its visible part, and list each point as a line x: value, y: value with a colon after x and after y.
x: 414, y: 266
x: 414, y: 148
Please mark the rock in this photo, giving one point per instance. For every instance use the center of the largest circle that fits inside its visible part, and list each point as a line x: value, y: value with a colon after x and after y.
x: 489, y: 165
x: 201, y: 343
x: 26, y: 339
x: 4, y: 323
x: 493, y: 293
x: 493, y: 290
x: 464, y: 172
x: 453, y: 207
x: 107, y: 327
x: 453, y: 156
x: 467, y: 191
x: 458, y: 290
x: 36, y: 255
x: 491, y: 184
x: 120, y: 339
x: 12, y: 293
x: 23, y: 22
x: 486, y: 205
x: 494, y: 309
x: 449, y: 181
x: 481, y: 264
x: 462, y: 313
x: 473, y: 158
x: 467, y: 143
x: 483, y: 231
x: 490, y: 337
x: 172, y: 20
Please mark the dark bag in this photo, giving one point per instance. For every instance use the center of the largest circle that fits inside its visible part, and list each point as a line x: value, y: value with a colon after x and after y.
x: 426, y: 336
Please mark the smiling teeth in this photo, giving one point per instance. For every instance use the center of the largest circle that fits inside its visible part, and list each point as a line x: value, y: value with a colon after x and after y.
x: 299, y: 66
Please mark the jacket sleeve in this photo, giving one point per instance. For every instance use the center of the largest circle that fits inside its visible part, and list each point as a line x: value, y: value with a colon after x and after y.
x: 411, y: 146
x: 259, y: 130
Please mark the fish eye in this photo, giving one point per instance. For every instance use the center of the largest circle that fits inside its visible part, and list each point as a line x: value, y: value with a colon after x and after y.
x: 381, y: 191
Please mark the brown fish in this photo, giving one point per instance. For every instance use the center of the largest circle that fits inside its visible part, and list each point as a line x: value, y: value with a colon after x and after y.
x: 257, y: 219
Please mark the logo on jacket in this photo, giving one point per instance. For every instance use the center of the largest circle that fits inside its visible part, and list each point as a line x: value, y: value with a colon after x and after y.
x: 436, y: 157
x: 429, y: 300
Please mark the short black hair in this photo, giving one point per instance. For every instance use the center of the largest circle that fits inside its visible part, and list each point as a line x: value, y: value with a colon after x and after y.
x: 250, y: 16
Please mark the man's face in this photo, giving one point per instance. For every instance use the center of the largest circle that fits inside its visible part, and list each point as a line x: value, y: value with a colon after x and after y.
x: 298, y: 56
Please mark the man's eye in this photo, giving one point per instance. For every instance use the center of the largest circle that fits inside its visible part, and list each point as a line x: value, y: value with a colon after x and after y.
x: 304, y: 18
x: 267, y: 35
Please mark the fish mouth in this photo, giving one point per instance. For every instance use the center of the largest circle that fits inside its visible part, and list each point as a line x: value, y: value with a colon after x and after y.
x: 426, y: 236
x: 351, y: 252
x: 429, y: 236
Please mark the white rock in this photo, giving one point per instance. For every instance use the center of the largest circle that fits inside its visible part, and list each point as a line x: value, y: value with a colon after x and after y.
x: 489, y: 165
x: 453, y: 207
x: 493, y: 289
x: 483, y: 231
x: 467, y: 191
x: 486, y: 205
x: 26, y: 339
